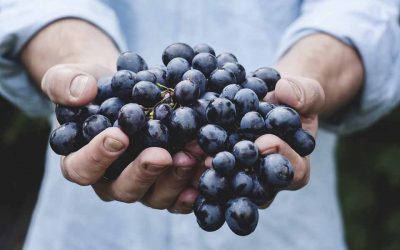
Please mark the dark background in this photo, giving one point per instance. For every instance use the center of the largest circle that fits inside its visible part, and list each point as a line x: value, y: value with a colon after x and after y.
x: 368, y: 175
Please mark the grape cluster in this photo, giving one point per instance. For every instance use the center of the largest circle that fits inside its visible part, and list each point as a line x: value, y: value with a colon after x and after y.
x: 195, y: 95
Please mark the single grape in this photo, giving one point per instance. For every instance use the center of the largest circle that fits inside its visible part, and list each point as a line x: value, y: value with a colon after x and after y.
x: 104, y: 90
x: 213, y: 186
x: 282, y: 121
x: 94, y: 125
x: 210, y: 216
x: 146, y: 75
x: 259, y: 195
x: 275, y: 171
x: 162, y: 112
x: 269, y: 75
x: 197, y: 77
x: 183, y: 125
x: 222, y: 112
x: 241, y: 216
x: 131, y: 61
x: 110, y: 108
x: 264, y: 108
x: 146, y: 94
x: 302, y: 142
x: 66, y: 114
x: 187, y: 92
x: 66, y: 138
x: 230, y: 91
x: 131, y: 118
x: 155, y: 134
x: 233, y: 138
x: 224, y: 58
x: 88, y: 110
x: 252, y: 126
x: 203, y: 48
x: 177, y: 50
x: 237, y: 69
x: 212, y: 139
x: 210, y: 96
x: 245, y: 101
x: 122, y: 83
x: 257, y: 85
x: 246, y: 153
x: 205, y: 63
x: 161, y: 75
x: 219, y: 79
x: 200, y: 106
x: 175, y: 70
x: 242, y: 184
x: 224, y: 163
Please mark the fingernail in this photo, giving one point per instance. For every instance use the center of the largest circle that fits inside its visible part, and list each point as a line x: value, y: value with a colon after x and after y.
x: 296, y: 90
x: 113, y: 145
x: 78, y: 85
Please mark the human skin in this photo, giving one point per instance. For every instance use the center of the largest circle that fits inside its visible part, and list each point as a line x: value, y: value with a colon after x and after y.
x: 320, y: 76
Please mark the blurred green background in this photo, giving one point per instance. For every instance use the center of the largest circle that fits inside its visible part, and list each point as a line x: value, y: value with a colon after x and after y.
x: 368, y: 175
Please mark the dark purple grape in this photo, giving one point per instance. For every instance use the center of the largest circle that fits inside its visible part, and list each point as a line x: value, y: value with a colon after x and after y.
x: 213, y: 186
x: 200, y: 106
x: 146, y: 75
x: 264, y: 108
x: 203, y: 48
x: 241, y: 216
x: 110, y: 108
x: 242, y: 184
x: 88, y: 110
x: 155, y: 134
x: 183, y: 125
x: 212, y: 139
x: 245, y: 101
x: 187, y: 92
x: 230, y: 91
x: 302, y: 142
x: 66, y: 114
x: 257, y: 85
x: 177, y: 50
x: 146, y: 94
x: 160, y: 67
x: 94, y: 125
x: 269, y: 75
x: 225, y: 58
x: 282, y: 121
x: 252, y: 126
x: 205, y: 63
x: 210, y: 96
x: 104, y: 90
x: 210, y: 216
x: 175, y: 70
x: 224, y: 163
x: 197, y: 77
x: 122, y: 84
x: 259, y: 195
x: 66, y: 138
x: 222, y: 112
x: 233, y: 138
x: 246, y: 153
x: 275, y: 171
x: 161, y: 75
x: 131, y: 61
x: 162, y: 112
x: 219, y: 79
x: 131, y: 118
x: 237, y: 69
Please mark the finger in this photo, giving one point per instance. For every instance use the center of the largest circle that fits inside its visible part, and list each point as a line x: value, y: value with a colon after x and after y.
x: 137, y: 178
x: 303, y: 94
x: 198, y: 172
x: 185, y: 201
x: 88, y: 164
x: 269, y: 144
x: 168, y: 186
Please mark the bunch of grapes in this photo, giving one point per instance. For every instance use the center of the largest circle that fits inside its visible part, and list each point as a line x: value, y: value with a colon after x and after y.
x: 195, y: 95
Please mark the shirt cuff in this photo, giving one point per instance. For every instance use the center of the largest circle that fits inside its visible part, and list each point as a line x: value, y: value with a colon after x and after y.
x: 371, y: 28
x: 20, y: 21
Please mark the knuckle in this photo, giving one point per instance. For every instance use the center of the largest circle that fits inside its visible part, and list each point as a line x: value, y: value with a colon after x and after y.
x: 126, y: 197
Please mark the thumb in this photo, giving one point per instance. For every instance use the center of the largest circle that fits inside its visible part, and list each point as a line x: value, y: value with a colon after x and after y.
x: 71, y: 84
x: 303, y: 94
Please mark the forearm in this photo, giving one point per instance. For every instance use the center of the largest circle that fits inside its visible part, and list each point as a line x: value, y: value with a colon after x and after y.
x: 68, y: 41
x: 334, y: 64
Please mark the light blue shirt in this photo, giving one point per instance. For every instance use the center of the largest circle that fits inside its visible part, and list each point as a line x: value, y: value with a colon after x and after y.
x: 258, y: 32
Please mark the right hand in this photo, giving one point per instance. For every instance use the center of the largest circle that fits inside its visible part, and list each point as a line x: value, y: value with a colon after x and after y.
x: 160, y: 182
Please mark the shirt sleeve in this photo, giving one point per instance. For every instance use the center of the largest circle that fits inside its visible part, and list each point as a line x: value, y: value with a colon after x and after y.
x: 372, y: 28
x: 20, y: 20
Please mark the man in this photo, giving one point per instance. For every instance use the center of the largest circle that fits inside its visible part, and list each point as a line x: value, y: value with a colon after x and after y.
x: 338, y: 60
